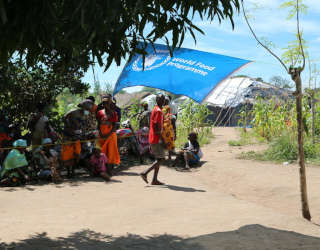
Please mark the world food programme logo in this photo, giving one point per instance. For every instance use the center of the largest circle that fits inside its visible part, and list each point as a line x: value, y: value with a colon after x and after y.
x: 152, y: 61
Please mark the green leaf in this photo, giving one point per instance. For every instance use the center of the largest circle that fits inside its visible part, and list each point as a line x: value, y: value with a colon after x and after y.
x: 3, y: 13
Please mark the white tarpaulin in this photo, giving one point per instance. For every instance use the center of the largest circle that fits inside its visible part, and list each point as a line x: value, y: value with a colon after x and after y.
x: 232, y: 91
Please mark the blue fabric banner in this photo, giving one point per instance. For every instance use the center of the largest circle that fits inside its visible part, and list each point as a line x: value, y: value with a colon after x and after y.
x: 189, y: 72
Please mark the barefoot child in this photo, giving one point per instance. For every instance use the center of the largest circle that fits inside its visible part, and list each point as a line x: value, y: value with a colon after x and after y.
x: 191, y: 152
x: 98, y: 162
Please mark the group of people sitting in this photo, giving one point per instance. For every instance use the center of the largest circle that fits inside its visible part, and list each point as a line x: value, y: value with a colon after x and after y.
x: 88, y: 123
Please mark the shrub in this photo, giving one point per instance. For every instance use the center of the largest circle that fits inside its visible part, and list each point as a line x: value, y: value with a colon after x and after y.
x: 282, y: 148
x: 192, y: 117
x: 285, y: 148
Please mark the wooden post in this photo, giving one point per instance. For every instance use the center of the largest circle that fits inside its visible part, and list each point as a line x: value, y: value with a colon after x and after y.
x: 295, y: 75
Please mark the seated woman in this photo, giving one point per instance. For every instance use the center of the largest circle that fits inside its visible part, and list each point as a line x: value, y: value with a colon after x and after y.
x: 191, y: 152
x: 14, y: 166
x: 98, y: 163
x: 47, y: 159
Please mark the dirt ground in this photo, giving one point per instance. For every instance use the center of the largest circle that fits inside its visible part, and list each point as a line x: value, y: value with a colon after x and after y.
x: 225, y: 204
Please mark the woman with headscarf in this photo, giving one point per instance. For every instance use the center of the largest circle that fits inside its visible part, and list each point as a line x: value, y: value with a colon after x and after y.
x: 13, y: 172
x: 107, y: 119
x: 168, y: 131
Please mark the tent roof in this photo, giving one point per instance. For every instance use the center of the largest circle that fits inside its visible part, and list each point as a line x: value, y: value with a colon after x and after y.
x: 127, y: 99
x: 233, y: 91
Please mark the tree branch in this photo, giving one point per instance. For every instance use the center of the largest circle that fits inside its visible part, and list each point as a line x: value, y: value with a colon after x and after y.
x: 300, y: 39
x: 257, y: 39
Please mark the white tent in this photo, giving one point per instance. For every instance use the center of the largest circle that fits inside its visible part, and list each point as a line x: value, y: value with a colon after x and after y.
x: 232, y: 91
x: 151, y: 100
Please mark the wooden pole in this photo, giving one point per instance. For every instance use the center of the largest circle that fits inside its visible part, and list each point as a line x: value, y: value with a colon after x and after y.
x: 295, y: 75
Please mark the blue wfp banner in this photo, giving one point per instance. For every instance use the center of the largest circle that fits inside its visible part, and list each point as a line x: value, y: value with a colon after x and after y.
x: 189, y: 72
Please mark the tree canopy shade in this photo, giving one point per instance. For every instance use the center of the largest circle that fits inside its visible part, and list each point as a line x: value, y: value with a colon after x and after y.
x: 91, y: 29
x: 22, y: 90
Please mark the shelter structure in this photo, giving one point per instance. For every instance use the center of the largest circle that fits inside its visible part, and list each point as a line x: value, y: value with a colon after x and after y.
x: 234, y: 94
x: 126, y: 99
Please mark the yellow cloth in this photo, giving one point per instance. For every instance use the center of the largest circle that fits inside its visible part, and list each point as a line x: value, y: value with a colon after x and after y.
x: 168, y: 131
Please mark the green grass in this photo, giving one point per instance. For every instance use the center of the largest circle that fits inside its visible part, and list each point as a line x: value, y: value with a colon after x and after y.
x: 246, y: 138
x: 257, y: 156
x: 285, y: 149
x: 235, y: 143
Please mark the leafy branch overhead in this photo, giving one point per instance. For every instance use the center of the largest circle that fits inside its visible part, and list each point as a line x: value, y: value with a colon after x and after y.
x: 98, y: 28
x: 21, y: 89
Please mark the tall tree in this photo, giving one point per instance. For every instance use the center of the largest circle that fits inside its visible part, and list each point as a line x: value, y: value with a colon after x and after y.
x: 92, y: 29
x: 296, y: 59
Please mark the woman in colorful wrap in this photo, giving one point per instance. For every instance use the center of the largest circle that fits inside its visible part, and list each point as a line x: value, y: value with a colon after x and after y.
x: 12, y: 172
x: 107, y: 119
x: 168, y: 131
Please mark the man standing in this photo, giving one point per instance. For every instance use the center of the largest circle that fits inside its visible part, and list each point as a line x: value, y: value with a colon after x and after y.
x: 74, y: 124
x: 156, y: 141
x: 91, y: 123
x: 39, y: 126
x: 144, y: 117
x: 116, y: 108
x: 174, y: 112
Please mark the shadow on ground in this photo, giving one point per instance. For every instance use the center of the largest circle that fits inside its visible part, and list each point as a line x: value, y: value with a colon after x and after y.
x: 178, y: 188
x: 78, y: 180
x: 123, y: 170
x: 83, y: 177
x: 250, y: 237
x: 180, y: 166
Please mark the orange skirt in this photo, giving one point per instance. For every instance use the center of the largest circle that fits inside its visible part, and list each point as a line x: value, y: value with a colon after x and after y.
x: 109, y: 146
x: 70, y: 151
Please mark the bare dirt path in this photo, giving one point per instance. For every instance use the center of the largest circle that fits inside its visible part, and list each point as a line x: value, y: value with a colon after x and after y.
x: 268, y: 184
x: 226, y: 204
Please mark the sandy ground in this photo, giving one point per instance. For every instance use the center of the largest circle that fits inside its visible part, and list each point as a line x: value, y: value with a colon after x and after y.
x: 226, y: 204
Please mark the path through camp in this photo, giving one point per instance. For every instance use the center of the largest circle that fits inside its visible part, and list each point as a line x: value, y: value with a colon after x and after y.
x: 228, y: 203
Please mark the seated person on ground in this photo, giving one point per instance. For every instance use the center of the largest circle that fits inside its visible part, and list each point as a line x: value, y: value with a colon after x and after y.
x: 99, y: 164
x: 191, y: 152
x: 15, y: 164
x: 47, y: 160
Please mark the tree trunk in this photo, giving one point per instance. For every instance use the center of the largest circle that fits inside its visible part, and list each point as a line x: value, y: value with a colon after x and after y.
x: 295, y: 75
